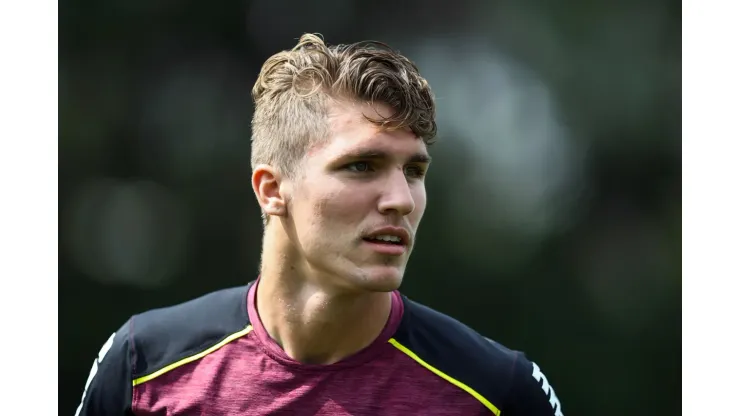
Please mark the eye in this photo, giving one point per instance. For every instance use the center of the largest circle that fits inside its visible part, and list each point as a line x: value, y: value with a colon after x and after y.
x: 359, y: 167
x: 414, y: 171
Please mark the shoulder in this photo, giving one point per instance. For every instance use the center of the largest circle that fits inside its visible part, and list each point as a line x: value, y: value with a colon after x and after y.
x: 477, y: 364
x: 163, y: 336
x: 503, y: 379
x: 429, y: 329
x: 531, y: 392
x: 149, y: 342
x: 108, y: 386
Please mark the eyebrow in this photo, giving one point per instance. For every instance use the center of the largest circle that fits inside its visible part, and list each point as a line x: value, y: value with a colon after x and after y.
x: 380, y: 154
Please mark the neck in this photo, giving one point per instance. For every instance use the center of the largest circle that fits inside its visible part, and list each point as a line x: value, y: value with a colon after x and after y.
x: 313, y: 321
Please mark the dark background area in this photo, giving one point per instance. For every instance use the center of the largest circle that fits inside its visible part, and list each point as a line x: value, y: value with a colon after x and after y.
x: 553, y: 223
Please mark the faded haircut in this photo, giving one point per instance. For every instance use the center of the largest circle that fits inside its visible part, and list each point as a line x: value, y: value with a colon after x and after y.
x: 294, y: 87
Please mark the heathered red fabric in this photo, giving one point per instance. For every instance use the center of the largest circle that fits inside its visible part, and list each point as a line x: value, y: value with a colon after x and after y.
x: 252, y: 375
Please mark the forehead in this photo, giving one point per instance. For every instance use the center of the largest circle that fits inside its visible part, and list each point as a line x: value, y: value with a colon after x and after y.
x: 351, y: 132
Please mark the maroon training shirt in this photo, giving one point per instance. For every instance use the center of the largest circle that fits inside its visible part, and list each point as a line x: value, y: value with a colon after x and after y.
x: 212, y: 356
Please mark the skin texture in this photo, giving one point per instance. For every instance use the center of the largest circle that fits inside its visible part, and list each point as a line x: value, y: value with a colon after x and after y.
x: 324, y: 292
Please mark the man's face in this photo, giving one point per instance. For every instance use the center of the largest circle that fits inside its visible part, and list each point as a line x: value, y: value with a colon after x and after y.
x: 355, y: 208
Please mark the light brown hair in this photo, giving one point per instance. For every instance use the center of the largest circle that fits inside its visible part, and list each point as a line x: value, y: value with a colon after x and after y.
x: 293, y: 88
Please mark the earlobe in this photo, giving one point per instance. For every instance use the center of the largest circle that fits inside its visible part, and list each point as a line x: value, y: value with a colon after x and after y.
x: 266, y: 185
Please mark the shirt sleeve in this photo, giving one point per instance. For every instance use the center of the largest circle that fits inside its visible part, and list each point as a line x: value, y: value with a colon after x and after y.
x: 108, y: 388
x: 531, y: 393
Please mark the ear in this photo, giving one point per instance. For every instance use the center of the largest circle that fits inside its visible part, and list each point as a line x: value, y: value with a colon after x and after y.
x: 266, y: 182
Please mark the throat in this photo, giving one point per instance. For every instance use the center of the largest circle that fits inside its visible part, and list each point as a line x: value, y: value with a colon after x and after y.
x: 318, y: 329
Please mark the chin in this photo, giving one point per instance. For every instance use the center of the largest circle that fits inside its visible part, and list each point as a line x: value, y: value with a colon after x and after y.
x: 380, y: 279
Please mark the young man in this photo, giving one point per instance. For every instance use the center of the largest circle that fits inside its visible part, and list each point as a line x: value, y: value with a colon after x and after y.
x: 339, y: 156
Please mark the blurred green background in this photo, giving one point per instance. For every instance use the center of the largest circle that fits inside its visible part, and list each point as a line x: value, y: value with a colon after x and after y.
x: 553, y: 223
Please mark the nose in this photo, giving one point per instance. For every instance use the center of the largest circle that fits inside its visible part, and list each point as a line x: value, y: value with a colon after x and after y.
x: 396, y: 196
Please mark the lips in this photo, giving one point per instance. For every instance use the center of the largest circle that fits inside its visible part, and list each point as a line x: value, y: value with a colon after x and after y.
x: 389, y: 235
x: 385, y: 248
x: 392, y: 239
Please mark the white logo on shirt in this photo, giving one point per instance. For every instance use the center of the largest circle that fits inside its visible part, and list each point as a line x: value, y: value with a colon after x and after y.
x: 94, y: 370
x: 547, y: 388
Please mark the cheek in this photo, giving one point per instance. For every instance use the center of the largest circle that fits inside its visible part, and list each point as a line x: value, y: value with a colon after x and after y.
x: 420, y: 203
x: 341, y: 206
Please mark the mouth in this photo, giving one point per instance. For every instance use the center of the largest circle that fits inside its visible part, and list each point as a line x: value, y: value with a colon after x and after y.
x: 389, y: 240
x: 388, y: 248
x: 385, y: 239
